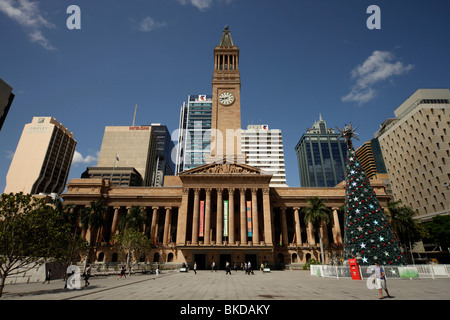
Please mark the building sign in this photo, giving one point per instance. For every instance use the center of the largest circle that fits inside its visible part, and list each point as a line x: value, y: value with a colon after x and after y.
x: 202, y: 214
x: 202, y: 97
x: 139, y: 128
x: 225, y: 218
x: 249, y: 218
x: 264, y: 127
x: 38, y: 129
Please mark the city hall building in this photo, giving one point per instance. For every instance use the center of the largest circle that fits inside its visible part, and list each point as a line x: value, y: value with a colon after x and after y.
x: 224, y: 210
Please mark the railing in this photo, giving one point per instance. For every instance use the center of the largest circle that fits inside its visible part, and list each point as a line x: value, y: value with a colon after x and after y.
x: 432, y: 271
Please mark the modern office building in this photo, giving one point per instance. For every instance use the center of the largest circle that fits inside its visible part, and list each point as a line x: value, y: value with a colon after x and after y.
x: 416, y: 150
x: 120, y: 176
x: 165, y: 149
x: 321, y: 156
x: 133, y: 147
x: 194, y: 135
x: 263, y: 149
x: 6, y: 99
x: 42, y: 159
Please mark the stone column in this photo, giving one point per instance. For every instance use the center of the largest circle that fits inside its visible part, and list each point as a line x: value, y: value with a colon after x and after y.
x: 310, y: 232
x: 219, y: 219
x: 284, y: 231
x: 167, y: 221
x: 336, y: 227
x: 154, y: 226
x: 208, y: 217
x: 231, y: 215
x: 255, y: 221
x: 298, y: 233
x: 182, y: 218
x: 243, y: 216
x: 268, y: 237
x: 115, y: 224
x: 195, y: 220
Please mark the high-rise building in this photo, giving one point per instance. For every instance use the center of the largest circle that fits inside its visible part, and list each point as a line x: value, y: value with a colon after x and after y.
x: 321, y: 156
x: 6, y: 99
x: 42, y: 159
x: 263, y: 149
x: 194, y: 135
x: 416, y: 151
x: 164, y: 162
x: 132, y: 147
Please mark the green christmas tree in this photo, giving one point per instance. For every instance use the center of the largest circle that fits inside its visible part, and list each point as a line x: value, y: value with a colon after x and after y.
x: 367, y: 233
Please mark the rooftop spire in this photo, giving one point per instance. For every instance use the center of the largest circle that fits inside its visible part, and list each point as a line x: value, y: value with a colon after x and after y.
x: 226, y: 40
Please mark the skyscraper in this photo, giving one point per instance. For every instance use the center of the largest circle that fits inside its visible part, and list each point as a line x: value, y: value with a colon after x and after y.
x: 263, y: 149
x: 194, y: 135
x: 42, y: 159
x: 415, y: 146
x: 6, y: 99
x: 133, y: 147
x: 164, y: 163
x: 320, y: 156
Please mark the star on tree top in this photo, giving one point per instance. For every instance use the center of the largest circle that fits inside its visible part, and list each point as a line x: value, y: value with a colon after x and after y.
x: 348, y: 133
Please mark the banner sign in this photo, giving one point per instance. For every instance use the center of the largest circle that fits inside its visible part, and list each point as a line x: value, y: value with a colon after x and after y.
x: 249, y: 218
x: 202, y: 214
x: 225, y: 218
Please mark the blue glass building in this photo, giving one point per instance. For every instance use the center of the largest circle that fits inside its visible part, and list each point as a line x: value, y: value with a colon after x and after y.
x: 321, y: 156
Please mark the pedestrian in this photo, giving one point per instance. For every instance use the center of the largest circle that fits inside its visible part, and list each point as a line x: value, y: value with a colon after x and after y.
x: 235, y: 267
x: 242, y: 266
x: 213, y: 266
x: 249, y: 268
x: 227, y: 267
x: 262, y: 267
x: 122, y: 272
x: 380, y: 281
x: 87, y: 275
x: 48, y: 275
x: 195, y: 267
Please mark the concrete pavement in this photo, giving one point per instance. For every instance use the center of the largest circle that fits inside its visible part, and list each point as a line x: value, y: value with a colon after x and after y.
x: 207, y: 285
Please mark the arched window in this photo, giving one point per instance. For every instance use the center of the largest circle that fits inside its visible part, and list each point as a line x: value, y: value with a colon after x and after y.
x: 101, y: 256
x: 170, y: 257
x: 114, y: 257
x: 294, y: 258
x: 156, y: 257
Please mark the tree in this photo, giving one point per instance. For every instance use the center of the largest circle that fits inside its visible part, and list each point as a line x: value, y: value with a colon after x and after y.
x: 367, y: 233
x: 92, y: 218
x: 131, y: 243
x: 31, y: 233
x: 439, y: 230
x: 317, y: 213
x: 135, y: 219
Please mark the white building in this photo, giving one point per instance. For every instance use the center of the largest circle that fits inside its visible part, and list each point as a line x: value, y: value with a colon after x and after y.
x: 263, y: 149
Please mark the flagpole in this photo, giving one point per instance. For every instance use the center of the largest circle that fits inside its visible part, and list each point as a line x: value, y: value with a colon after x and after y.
x: 112, y: 172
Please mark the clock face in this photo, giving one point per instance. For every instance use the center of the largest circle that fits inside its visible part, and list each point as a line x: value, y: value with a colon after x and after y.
x: 226, y: 98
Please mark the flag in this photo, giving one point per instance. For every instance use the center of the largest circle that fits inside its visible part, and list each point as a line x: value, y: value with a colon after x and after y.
x: 202, y: 212
x: 249, y: 218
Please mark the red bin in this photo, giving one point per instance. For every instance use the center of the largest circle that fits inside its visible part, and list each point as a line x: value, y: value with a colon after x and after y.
x: 354, y: 269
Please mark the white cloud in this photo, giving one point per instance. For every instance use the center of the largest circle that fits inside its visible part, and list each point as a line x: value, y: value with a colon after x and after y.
x: 78, y: 158
x: 149, y: 24
x: 202, y: 5
x: 380, y: 66
x: 28, y: 15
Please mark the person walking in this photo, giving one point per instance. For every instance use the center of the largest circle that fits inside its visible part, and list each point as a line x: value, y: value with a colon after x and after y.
x: 48, y: 275
x: 213, y: 266
x: 380, y: 281
x: 87, y: 275
x: 249, y: 268
x: 122, y: 272
x: 227, y: 267
x: 195, y: 267
x: 261, y: 267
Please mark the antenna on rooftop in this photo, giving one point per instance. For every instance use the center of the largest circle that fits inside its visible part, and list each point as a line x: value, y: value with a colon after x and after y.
x: 134, y: 117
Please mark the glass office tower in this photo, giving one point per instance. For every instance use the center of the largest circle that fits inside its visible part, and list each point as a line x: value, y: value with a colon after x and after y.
x: 321, y: 156
x: 194, y: 136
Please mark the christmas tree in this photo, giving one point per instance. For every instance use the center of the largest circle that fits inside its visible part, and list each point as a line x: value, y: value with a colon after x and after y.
x: 367, y: 233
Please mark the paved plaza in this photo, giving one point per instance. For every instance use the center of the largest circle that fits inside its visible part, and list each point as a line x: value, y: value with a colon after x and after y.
x: 207, y: 285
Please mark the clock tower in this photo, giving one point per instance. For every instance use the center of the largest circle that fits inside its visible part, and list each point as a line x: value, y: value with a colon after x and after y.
x: 226, y: 101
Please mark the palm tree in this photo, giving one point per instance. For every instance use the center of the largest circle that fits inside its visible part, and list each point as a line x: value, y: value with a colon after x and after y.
x: 92, y: 218
x: 135, y: 219
x: 402, y: 222
x: 316, y: 214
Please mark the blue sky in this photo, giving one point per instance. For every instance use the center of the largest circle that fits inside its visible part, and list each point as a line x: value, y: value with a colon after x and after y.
x: 297, y: 59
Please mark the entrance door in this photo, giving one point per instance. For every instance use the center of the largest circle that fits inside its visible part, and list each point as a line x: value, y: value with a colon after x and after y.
x: 201, y: 261
x: 223, y: 258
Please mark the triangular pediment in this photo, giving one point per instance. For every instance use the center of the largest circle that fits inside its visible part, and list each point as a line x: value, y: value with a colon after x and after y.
x: 224, y: 168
